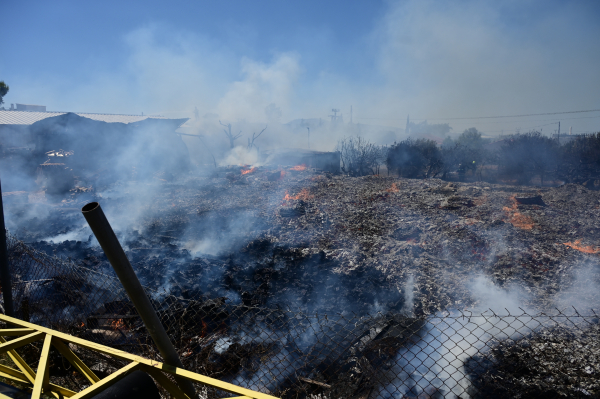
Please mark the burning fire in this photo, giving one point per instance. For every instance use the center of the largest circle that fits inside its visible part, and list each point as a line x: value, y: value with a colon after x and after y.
x: 304, y: 194
x: 299, y: 167
x: 245, y: 171
x: 118, y: 324
x: 588, y: 249
x: 393, y: 189
x: 516, y: 218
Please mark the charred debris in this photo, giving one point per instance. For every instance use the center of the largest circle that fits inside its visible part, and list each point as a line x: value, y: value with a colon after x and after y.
x: 299, y: 238
x: 302, y: 239
x: 239, y: 230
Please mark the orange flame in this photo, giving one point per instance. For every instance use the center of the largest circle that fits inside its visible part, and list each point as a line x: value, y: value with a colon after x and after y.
x: 299, y: 167
x: 204, y: 329
x: 246, y: 171
x: 393, y: 189
x: 118, y: 324
x: 304, y: 194
x: 82, y: 324
x: 588, y: 249
x: 516, y: 218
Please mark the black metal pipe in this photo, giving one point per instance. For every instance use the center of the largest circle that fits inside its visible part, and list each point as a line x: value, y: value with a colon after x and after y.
x: 5, y: 278
x: 116, y: 256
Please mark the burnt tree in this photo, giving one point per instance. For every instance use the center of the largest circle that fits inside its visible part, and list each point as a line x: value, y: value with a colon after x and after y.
x: 415, y: 158
x: 359, y: 157
x: 230, y: 135
x: 526, y: 155
x: 254, y: 137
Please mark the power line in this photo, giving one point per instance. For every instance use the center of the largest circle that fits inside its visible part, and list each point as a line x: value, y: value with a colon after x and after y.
x: 496, y: 117
x: 537, y: 120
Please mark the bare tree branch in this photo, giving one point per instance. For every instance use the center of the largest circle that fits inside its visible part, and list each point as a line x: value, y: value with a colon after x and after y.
x: 229, y: 135
x: 254, y: 137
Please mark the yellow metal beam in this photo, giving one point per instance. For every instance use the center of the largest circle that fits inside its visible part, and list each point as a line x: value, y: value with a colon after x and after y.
x: 12, y: 374
x: 21, y: 364
x: 195, y: 377
x: 22, y: 341
x: 61, y: 390
x: 11, y: 332
x: 30, y: 375
x: 106, y: 382
x: 43, y: 375
x: 75, y: 361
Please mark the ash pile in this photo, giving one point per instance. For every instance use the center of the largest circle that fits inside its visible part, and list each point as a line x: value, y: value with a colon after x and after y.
x: 309, y: 242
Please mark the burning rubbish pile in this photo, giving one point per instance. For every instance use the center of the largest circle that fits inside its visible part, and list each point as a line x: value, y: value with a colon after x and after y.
x: 383, y: 254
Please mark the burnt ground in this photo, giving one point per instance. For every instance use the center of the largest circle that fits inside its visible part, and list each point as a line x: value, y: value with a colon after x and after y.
x: 309, y: 236
x: 335, y: 244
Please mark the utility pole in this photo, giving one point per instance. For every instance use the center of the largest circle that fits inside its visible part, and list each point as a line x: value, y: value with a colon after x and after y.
x: 334, y: 116
x: 5, y: 277
x: 308, y: 128
x: 559, y: 132
x: 351, y: 114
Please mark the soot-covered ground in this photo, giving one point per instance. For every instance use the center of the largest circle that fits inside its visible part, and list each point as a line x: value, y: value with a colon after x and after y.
x: 320, y: 242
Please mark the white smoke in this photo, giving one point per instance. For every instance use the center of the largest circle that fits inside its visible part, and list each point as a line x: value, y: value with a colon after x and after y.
x: 262, y: 86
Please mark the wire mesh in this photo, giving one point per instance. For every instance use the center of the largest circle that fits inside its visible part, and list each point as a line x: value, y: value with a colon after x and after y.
x: 297, y: 355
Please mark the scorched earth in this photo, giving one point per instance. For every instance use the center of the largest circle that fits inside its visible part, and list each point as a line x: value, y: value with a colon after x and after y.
x: 330, y: 243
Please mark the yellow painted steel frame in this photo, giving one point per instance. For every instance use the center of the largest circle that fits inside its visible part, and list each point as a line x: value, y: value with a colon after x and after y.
x: 28, y: 333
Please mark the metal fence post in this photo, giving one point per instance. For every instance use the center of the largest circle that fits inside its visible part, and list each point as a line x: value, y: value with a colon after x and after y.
x: 114, y: 252
x: 5, y: 279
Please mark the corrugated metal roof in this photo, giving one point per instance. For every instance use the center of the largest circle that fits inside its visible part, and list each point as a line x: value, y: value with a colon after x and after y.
x: 30, y: 117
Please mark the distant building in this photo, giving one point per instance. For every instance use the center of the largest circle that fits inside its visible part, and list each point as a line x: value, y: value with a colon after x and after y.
x: 28, y: 107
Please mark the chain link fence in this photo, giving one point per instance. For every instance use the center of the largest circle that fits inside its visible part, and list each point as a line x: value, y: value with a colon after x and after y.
x: 296, y: 355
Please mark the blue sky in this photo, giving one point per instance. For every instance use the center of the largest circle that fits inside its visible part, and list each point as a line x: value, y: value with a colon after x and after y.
x: 430, y: 59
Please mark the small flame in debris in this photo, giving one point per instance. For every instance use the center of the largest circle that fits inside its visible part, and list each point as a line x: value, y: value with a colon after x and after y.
x: 393, y: 189
x: 588, y: 249
x: 299, y: 167
x: 118, y: 324
x: 245, y: 171
x: 304, y: 194
x: 82, y: 324
x: 516, y: 218
x: 204, y: 329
